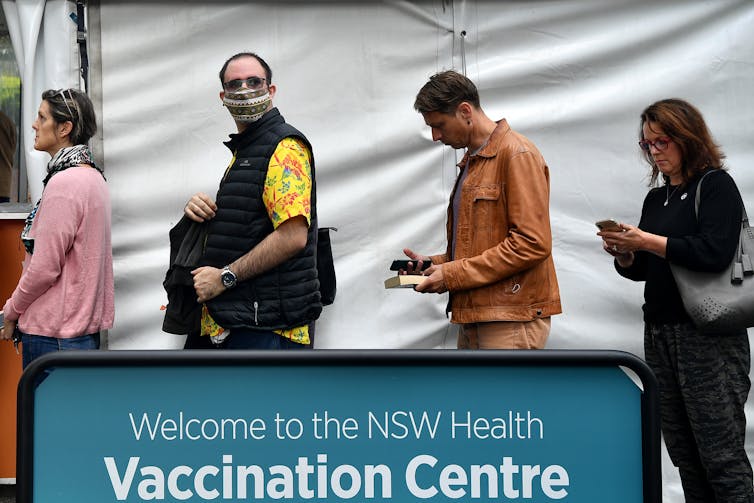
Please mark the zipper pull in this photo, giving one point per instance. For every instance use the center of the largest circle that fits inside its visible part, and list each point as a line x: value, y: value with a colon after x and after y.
x: 256, y: 311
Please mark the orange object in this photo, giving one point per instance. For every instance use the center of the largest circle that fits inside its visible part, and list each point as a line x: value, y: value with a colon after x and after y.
x: 11, y: 255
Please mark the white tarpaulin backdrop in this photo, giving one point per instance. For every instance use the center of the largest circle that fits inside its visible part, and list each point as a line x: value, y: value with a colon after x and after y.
x: 572, y: 75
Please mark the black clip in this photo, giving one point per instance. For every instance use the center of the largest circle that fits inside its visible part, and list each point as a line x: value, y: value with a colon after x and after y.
x: 16, y: 340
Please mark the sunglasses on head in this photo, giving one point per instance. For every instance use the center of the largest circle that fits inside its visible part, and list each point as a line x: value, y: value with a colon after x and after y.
x: 65, y: 102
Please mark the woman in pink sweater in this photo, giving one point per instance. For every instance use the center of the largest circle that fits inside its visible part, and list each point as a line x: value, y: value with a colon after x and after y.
x: 65, y: 295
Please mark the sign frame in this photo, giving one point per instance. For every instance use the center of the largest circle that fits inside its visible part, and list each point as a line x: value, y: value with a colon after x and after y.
x: 650, y: 423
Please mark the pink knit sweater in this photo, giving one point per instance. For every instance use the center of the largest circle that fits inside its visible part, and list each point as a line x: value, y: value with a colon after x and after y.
x: 66, y: 288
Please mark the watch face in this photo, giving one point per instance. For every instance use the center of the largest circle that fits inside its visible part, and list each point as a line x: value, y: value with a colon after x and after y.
x: 229, y: 279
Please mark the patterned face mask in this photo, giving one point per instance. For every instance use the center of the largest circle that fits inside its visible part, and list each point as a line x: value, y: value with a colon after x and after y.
x: 247, y: 105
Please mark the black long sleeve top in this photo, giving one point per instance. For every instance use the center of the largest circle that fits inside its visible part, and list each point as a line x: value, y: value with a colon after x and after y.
x: 706, y: 245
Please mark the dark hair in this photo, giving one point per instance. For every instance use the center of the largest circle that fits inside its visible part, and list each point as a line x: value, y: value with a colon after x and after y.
x: 74, y: 106
x: 444, y: 92
x: 267, y: 69
x: 684, y: 124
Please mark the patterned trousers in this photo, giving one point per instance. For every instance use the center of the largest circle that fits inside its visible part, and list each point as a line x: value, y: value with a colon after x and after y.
x: 704, y: 383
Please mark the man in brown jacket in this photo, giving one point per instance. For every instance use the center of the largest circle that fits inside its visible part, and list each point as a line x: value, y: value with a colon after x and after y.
x: 498, y: 263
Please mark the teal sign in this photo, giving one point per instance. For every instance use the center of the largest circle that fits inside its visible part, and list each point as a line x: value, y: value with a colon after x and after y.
x: 338, y: 427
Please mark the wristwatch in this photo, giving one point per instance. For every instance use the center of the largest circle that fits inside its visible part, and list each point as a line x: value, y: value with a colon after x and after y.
x: 228, y: 277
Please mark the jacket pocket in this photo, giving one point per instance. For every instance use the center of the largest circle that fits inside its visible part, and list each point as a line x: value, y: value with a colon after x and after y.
x: 485, y: 220
x: 486, y: 193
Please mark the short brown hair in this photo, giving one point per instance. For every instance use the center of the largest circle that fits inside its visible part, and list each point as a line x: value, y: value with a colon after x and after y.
x: 684, y: 124
x: 444, y: 92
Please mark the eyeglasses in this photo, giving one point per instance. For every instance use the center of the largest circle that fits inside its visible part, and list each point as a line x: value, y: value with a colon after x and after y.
x: 660, y: 144
x: 65, y: 102
x: 253, y: 83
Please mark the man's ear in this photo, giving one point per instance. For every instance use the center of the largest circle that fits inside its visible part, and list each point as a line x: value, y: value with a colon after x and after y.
x: 222, y: 95
x: 464, y: 110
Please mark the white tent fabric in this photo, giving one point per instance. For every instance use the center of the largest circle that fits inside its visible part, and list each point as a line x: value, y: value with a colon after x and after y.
x: 572, y: 75
x: 43, y: 38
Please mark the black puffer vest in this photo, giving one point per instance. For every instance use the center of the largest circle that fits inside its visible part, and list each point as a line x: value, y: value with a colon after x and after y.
x: 286, y: 296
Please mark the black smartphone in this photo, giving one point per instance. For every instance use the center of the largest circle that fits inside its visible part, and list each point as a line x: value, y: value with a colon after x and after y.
x: 397, y: 265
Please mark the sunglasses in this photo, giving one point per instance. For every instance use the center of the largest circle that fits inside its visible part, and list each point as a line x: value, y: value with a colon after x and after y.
x: 65, y: 102
x: 253, y: 83
x: 660, y: 144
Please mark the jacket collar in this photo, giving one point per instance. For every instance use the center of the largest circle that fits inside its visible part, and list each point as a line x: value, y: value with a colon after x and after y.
x: 252, y: 131
x: 489, y: 150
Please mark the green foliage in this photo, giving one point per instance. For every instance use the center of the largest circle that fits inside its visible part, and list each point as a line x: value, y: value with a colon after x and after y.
x: 10, y: 90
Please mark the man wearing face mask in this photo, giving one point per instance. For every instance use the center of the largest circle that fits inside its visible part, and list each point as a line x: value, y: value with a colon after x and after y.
x: 258, y: 279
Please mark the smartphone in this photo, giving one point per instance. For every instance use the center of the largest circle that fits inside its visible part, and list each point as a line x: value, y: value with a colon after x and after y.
x: 609, y: 225
x: 397, y: 265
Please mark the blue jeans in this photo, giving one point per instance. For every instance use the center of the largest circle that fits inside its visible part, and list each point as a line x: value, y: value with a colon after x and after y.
x: 35, y: 346
x: 242, y: 338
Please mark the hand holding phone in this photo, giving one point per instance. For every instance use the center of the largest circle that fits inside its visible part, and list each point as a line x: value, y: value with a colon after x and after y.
x: 397, y: 265
x: 609, y: 225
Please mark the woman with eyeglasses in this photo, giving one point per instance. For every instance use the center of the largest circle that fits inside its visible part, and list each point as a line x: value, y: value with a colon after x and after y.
x: 703, y: 378
x: 65, y: 294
